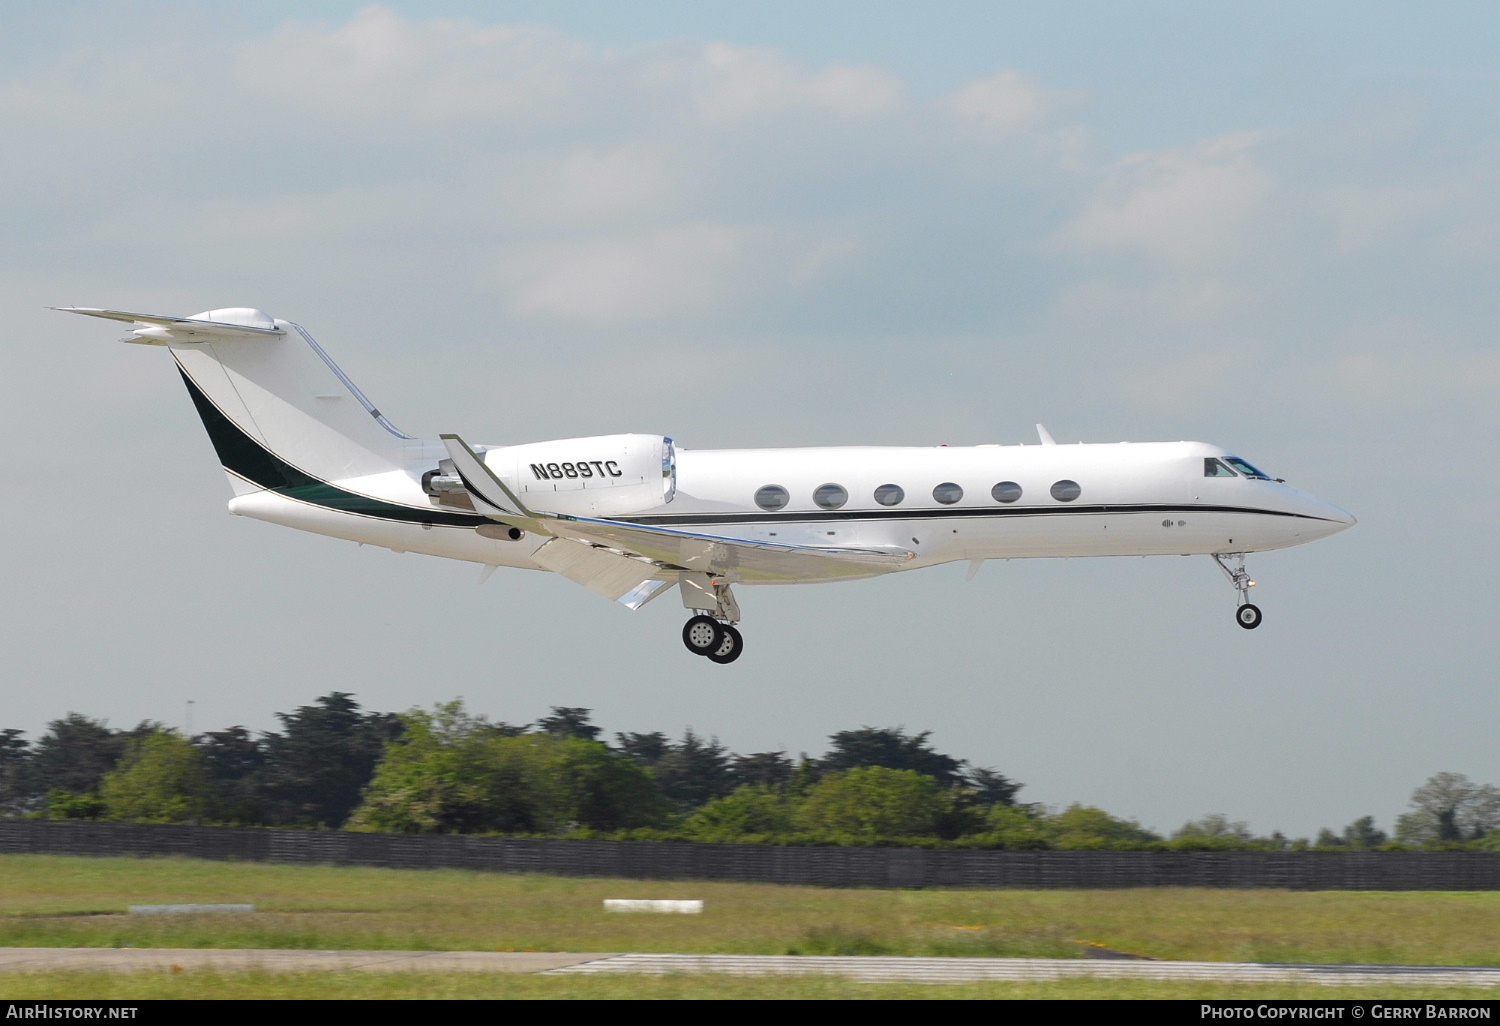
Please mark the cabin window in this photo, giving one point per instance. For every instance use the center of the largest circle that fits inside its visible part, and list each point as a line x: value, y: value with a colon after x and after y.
x: 771, y: 497
x: 1214, y: 468
x: 889, y: 495
x: 1245, y: 468
x: 830, y: 496
x: 947, y: 493
x: 1006, y: 491
x: 1066, y: 491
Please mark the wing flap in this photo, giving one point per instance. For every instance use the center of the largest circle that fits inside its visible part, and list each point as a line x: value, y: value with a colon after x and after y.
x: 736, y: 558
x: 603, y: 572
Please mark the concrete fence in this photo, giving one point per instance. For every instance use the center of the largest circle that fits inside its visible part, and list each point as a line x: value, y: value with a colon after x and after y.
x: 757, y: 863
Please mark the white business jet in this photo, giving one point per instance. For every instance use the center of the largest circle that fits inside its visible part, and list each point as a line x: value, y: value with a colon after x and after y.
x: 627, y: 516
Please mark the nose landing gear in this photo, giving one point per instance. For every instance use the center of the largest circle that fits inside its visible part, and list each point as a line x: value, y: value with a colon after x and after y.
x: 1247, y: 615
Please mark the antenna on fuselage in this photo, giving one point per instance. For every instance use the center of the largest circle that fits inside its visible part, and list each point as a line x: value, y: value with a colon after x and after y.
x: 1045, y: 435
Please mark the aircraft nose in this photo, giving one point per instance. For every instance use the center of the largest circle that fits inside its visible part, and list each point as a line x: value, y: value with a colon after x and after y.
x: 1334, y: 519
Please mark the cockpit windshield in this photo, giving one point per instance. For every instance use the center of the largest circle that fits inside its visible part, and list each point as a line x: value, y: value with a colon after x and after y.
x: 1244, y: 467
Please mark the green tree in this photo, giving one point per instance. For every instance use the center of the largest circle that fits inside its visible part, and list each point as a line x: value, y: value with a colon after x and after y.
x: 62, y: 804
x: 987, y: 787
x: 1363, y: 834
x: 748, y: 811
x: 439, y: 776
x: 873, y: 802
x: 892, y: 748
x: 1085, y: 827
x: 161, y: 779
x: 235, y: 760
x: 451, y: 772
x: 761, y: 769
x: 569, y: 721
x: 75, y: 752
x: 1017, y: 827
x: 18, y: 792
x: 1215, y: 827
x: 603, y: 790
x: 1328, y: 839
x: 646, y: 749
x: 1447, y: 809
x: 693, y: 772
x: 324, y: 756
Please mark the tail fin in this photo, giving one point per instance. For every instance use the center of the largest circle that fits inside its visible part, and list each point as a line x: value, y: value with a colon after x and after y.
x: 271, y: 399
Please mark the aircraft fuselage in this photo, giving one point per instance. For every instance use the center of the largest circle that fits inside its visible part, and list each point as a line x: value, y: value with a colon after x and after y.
x: 1133, y: 499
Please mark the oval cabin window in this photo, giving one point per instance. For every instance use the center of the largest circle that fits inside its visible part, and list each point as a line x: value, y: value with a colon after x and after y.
x: 889, y: 495
x: 1066, y: 491
x: 947, y: 493
x: 771, y: 497
x: 830, y: 496
x: 1006, y: 491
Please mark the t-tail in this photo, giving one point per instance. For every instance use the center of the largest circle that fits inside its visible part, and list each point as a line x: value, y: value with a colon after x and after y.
x: 280, y: 413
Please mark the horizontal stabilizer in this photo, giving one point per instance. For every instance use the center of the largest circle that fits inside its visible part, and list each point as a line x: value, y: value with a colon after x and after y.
x: 161, y: 329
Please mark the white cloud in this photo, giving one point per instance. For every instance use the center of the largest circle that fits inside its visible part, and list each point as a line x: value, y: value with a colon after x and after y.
x: 520, y: 170
x: 1000, y: 104
x: 1366, y: 214
x: 594, y: 185
x: 857, y: 93
x: 681, y: 272
x: 1403, y: 363
x: 667, y: 274
x: 731, y: 83
x: 1195, y: 381
x: 383, y: 68
x: 1194, y: 205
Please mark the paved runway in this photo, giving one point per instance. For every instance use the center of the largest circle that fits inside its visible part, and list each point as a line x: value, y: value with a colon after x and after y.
x: 38, y: 960
x: 961, y: 970
x: 870, y: 968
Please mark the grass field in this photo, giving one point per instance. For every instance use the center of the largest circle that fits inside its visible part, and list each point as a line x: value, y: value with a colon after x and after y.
x: 344, y: 985
x: 62, y: 901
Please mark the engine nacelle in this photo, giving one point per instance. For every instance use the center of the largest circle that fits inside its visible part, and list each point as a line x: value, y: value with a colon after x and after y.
x: 607, y: 475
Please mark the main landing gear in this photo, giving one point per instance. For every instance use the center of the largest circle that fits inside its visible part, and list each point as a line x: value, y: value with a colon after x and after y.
x: 711, y: 632
x: 705, y: 636
x: 1247, y: 615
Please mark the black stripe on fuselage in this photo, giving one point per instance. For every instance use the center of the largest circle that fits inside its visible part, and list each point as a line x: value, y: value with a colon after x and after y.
x: 245, y: 457
x: 946, y: 513
x: 249, y: 459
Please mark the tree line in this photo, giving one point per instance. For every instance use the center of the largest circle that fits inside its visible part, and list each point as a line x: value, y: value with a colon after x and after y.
x: 333, y: 765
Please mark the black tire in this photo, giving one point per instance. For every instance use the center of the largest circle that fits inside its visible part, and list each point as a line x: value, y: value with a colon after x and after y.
x: 730, y: 647
x: 1247, y: 616
x: 702, y: 635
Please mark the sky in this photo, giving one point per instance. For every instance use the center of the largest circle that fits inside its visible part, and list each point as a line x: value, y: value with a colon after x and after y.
x: 1275, y: 227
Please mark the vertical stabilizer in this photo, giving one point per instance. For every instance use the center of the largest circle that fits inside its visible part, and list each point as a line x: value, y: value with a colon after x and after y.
x: 270, y: 396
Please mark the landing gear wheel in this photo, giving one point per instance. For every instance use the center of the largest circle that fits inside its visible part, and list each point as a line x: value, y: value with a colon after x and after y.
x: 703, y: 635
x: 730, y: 647
x: 1248, y: 616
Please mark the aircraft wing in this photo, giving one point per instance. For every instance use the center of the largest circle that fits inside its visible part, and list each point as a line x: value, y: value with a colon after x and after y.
x: 739, y: 559
x: 670, y: 548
